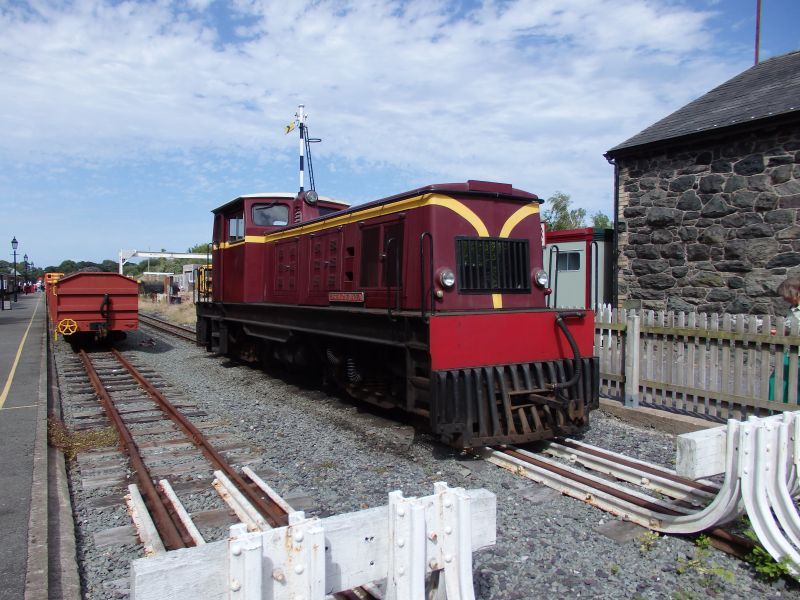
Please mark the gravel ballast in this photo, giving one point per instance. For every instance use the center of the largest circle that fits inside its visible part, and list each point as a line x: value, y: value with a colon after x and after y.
x: 327, y: 456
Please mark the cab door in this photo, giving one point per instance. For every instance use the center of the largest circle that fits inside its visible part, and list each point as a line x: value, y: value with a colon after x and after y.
x: 324, y: 273
x: 382, y: 263
x: 286, y: 261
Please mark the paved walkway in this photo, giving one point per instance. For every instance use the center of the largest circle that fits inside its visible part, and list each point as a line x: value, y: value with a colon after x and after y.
x: 21, y: 348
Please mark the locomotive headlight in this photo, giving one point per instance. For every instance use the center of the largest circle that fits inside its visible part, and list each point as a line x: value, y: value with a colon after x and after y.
x: 447, y: 278
x: 541, y: 279
x: 311, y: 197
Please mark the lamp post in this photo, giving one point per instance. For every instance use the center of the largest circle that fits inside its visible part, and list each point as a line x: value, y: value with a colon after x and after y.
x: 14, y: 244
x: 25, y: 271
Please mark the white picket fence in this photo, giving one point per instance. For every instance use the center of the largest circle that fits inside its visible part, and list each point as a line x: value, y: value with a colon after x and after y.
x: 721, y: 366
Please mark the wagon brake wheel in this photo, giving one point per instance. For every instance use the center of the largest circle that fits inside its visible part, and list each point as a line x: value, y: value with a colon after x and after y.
x: 67, y: 326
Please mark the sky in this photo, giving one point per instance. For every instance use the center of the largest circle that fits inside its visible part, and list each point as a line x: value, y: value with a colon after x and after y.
x: 123, y: 124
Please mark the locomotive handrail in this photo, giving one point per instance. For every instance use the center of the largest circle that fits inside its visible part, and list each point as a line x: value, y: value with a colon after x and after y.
x: 389, y: 243
x: 594, y: 253
x: 426, y: 318
x: 554, y: 276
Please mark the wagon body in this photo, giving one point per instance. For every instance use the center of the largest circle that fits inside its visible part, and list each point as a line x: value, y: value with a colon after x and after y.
x: 92, y: 303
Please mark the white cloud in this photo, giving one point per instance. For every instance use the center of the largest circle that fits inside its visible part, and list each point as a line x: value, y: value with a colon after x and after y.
x: 528, y: 91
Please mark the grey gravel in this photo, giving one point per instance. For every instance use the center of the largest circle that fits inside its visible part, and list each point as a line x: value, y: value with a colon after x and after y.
x: 328, y: 456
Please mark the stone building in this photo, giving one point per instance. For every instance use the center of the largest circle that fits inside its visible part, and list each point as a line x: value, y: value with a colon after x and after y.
x: 707, y: 199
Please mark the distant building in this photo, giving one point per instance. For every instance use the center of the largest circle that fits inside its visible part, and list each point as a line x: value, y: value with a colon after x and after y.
x: 707, y: 199
x: 578, y: 263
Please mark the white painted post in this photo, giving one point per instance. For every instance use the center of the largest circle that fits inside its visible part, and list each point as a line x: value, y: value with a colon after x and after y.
x: 245, y: 565
x: 406, y: 573
x: 456, y: 543
x: 145, y: 527
x: 632, y: 334
x: 301, y: 119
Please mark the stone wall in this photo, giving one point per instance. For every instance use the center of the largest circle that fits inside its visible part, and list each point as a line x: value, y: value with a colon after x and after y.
x: 711, y: 228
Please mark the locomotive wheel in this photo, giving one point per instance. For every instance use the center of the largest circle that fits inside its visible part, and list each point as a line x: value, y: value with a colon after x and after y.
x: 67, y: 327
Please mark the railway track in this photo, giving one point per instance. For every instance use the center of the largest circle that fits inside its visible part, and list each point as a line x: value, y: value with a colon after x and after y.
x: 166, y: 327
x: 617, y: 485
x: 679, y: 492
x: 132, y: 401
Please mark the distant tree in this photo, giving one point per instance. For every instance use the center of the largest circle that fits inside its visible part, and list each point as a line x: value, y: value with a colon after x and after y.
x: 109, y: 266
x: 86, y: 265
x: 67, y: 266
x: 601, y: 221
x: 201, y: 248
x: 133, y: 269
x: 559, y: 216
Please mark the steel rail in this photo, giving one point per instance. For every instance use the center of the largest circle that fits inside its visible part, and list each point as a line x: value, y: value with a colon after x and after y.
x: 273, y: 513
x: 625, y: 469
x: 573, y: 475
x: 170, y: 532
x: 721, y: 539
x: 641, y: 466
x: 175, y: 535
x: 167, y: 327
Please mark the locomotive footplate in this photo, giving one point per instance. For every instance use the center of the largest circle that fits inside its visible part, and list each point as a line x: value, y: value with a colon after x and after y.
x: 514, y: 403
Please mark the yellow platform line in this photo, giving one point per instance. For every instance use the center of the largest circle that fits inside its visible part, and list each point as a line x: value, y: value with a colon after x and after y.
x: 7, y: 387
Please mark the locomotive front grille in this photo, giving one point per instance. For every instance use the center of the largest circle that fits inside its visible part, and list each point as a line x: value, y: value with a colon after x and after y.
x: 515, y: 403
x: 493, y: 265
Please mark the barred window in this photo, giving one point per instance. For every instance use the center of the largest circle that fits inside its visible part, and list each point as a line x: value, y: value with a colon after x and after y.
x: 493, y: 265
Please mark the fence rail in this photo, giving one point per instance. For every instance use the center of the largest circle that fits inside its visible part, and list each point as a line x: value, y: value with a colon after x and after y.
x: 710, y: 365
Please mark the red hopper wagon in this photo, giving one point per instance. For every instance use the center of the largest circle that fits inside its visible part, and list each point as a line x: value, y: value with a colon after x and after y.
x: 89, y: 304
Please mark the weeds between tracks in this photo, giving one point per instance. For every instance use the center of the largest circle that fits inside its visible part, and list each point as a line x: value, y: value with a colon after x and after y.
x: 71, y: 443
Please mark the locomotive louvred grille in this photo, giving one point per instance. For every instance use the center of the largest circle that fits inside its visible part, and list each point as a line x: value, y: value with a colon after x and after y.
x: 513, y: 403
x: 492, y: 265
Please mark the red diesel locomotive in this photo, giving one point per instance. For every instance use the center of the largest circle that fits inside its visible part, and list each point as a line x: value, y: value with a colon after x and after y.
x: 431, y: 301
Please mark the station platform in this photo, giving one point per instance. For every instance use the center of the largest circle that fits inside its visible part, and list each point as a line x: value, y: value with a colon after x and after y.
x: 22, y: 362
x: 23, y: 416
x: 30, y: 500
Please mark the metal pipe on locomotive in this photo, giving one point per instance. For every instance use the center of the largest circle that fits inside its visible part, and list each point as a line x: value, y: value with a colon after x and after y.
x: 431, y: 301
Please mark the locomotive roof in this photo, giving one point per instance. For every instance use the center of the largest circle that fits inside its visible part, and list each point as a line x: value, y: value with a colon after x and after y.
x: 286, y: 195
x: 471, y: 187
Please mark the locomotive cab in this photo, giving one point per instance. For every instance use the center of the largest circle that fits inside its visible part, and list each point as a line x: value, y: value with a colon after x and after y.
x: 240, y: 265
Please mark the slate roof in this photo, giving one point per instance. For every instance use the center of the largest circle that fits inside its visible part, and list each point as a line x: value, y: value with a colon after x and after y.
x: 764, y: 91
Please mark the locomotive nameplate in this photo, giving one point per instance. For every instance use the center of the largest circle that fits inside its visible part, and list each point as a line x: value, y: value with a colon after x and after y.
x: 345, y: 296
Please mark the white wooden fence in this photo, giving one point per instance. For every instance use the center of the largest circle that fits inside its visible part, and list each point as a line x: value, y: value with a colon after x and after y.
x: 722, y: 366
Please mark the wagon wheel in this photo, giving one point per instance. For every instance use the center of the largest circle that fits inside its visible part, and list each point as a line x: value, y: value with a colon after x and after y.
x: 67, y: 327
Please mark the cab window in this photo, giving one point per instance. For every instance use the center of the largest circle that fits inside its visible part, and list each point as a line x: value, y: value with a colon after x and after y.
x: 270, y: 215
x: 568, y: 261
x: 236, y: 227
